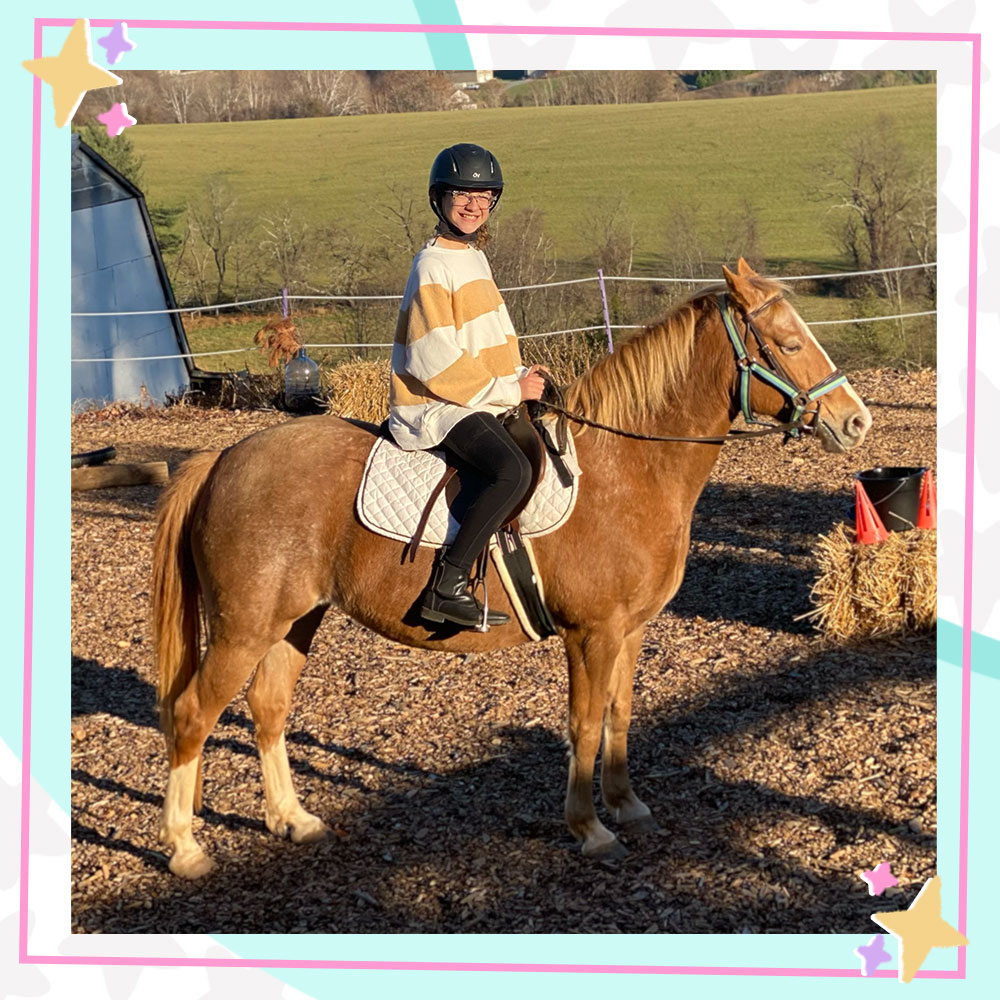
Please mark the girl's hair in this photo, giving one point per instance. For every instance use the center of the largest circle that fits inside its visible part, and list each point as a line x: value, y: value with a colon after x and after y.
x: 482, y: 235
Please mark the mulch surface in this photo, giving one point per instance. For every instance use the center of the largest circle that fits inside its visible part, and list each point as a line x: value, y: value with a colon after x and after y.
x: 779, y: 763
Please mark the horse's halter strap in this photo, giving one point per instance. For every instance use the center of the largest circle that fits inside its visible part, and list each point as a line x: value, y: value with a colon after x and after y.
x: 775, y: 375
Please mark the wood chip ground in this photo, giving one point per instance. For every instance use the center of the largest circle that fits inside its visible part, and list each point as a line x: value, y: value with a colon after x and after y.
x: 780, y: 764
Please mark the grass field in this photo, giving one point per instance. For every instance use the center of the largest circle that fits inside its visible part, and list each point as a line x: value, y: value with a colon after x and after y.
x: 570, y: 161
x: 573, y: 162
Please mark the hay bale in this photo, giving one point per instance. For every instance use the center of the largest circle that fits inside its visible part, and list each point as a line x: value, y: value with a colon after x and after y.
x: 360, y: 389
x: 868, y: 590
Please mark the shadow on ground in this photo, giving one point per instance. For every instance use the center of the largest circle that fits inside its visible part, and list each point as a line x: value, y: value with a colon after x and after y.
x: 484, y: 848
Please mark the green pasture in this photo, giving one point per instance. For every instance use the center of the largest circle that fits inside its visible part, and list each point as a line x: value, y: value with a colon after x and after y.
x: 572, y: 162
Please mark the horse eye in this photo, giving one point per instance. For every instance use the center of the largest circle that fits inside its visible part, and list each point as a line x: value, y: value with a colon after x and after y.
x: 790, y: 348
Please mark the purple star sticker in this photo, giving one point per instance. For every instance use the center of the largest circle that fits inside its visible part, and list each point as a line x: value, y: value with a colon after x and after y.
x: 872, y: 955
x: 116, y: 43
x: 117, y: 119
x: 879, y: 879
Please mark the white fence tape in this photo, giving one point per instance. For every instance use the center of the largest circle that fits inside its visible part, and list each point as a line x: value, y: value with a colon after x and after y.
x: 525, y: 336
x: 516, y: 288
x: 513, y: 288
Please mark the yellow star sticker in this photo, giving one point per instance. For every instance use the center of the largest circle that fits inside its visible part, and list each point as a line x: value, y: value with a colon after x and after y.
x: 71, y: 73
x: 919, y: 929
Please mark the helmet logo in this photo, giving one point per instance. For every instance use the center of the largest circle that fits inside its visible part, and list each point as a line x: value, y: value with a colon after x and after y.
x: 475, y: 174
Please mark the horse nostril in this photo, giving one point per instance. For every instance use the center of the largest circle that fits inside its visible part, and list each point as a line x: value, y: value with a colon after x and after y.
x: 858, y: 424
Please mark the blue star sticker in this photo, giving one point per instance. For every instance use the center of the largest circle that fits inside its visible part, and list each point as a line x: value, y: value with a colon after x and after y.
x: 116, y: 43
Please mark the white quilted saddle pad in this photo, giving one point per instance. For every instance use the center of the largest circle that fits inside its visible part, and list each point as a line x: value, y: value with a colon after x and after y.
x: 396, y: 485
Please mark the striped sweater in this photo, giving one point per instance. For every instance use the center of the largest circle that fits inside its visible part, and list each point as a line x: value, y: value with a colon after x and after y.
x: 455, y: 349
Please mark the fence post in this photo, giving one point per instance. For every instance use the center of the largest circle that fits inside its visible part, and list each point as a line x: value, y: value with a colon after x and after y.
x: 284, y: 303
x: 604, y: 301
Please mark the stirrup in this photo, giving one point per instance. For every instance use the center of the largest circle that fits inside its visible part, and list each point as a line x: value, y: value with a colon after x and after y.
x: 448, y: 597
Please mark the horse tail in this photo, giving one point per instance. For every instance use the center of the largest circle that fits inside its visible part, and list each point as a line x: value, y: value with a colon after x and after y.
x: 175, y: 594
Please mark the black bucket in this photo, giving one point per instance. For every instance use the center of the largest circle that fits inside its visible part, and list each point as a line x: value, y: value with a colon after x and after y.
x: 895, y: 494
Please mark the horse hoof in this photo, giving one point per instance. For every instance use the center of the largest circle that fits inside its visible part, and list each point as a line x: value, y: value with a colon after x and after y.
x: 641, y: 824
x: 191, y: 865
x: 608, y: 850
x: 311, y: 832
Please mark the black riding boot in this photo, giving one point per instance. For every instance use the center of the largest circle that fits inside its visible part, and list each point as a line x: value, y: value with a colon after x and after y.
x: 448, y: 597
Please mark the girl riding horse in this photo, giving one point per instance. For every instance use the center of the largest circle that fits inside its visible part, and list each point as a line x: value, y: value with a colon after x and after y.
x: 456, y: 368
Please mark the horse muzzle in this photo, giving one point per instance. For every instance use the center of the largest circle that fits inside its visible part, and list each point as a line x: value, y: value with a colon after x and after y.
x: 839, y: 433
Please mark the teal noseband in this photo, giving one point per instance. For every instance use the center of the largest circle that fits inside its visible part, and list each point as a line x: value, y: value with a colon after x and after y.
x: 775, y: 375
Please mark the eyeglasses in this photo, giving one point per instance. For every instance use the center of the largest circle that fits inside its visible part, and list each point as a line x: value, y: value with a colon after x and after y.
x: 484, y: 198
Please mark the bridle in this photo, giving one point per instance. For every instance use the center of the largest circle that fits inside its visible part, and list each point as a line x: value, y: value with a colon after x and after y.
x: 775, y: 375
x: 747, y: 367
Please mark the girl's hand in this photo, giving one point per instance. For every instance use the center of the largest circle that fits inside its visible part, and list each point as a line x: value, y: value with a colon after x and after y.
x: 532, y: 384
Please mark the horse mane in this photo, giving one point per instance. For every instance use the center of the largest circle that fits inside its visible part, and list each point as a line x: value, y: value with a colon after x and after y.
x: 640, y: 379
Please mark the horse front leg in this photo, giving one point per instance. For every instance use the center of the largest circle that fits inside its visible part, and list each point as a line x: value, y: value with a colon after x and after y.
x: 591, y: 658
x: 629, y: 811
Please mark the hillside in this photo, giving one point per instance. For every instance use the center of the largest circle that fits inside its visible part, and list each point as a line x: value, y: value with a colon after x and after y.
x: 572, y: 162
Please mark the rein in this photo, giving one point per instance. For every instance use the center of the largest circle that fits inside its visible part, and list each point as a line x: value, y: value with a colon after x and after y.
x: 746, y: 366
x: 579, y: 418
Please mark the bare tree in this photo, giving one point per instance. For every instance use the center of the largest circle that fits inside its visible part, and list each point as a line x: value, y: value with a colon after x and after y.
x: 921, y: 228
x: 137, y: 92
x: 218, y: 95
x: 613, y: 238
x: 286, y: 244
x: 192, y: 266
x: 218, y: 225
x: 883, y: 217
x: 739, y: 235
x: 409, y: 90
x: 397, y: 208
x: 256, y: 94
x: 177, y: 90
x: 330, y: 91
x: 492, y: 94
x: 522, y: 254
x: 684, y: 250
x: 872, y: 193
x: 344, y: 261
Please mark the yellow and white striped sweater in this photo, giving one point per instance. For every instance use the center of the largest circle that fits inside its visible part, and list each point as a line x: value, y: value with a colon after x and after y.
x: 455, y: 348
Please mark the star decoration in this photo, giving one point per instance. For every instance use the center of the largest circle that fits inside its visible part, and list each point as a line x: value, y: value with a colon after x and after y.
x: 879, y: 878
x: 919, y: 929
x: 116, y: 42
x: 117, y: 119
x: 71, y: 73
x: 872, y: 955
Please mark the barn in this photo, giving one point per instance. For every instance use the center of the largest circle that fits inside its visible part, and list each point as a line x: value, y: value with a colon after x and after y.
x: 116, y: 268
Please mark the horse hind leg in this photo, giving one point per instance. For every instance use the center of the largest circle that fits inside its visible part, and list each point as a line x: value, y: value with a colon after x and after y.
x: 270, y: 697
x: 629, y: 811
x: 223, y: 671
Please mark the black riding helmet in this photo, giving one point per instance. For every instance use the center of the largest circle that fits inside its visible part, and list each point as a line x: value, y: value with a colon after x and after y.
x: 465, y: 167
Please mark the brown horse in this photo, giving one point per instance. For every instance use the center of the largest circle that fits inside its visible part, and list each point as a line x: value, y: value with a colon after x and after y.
x: 264, y: 582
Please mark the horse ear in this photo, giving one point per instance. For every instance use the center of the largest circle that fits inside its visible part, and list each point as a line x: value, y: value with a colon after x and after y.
x: 744, y: 269
x: 737, y: 286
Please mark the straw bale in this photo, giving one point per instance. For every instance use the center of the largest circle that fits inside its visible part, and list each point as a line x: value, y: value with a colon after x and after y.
x: 885, y: 589
x: 360, y: 389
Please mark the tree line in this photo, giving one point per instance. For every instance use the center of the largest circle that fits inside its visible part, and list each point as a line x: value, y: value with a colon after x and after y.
x: 165, y: 97
x: 182, y: 97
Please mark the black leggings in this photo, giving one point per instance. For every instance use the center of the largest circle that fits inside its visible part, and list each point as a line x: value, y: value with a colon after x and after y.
x: 478, y: 442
